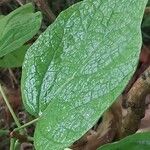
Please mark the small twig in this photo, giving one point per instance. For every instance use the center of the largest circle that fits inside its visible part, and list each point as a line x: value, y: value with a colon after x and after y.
x: 27, y: 124
x: 13, y: 76
x: 19, y: 2
x: 136, y: 104
x: 43, y: 5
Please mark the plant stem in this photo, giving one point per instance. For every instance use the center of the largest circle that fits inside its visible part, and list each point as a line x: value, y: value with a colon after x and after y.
x: 30, y: 138
x: 27, y: 124
x: 12, y: 143
x: 22, y: 137
x: 16, y: 145
x: 9, y: 107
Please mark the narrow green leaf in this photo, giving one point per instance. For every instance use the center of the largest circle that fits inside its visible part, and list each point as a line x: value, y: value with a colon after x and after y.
x: 17, y: 28
x: 14, y: 59
x: 79, y: 66
x: 140, y: 141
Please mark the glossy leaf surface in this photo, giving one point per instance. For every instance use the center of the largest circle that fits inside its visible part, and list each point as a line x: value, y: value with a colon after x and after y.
x: 78, y: 67
x: 140, y: 141
x: 17, y: 28
x: 14, y: 59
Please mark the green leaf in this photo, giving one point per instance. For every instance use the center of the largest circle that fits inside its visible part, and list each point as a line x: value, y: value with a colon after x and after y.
x: 17, y: 28
x: 1, y: 16
x: 14, y: 59
x: 79, y: 66
x: 140, y: 141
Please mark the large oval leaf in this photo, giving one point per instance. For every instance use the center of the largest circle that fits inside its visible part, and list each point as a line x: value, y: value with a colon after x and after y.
x: 79, y: 66
x: 140, y: 141
x: 18, y: 27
